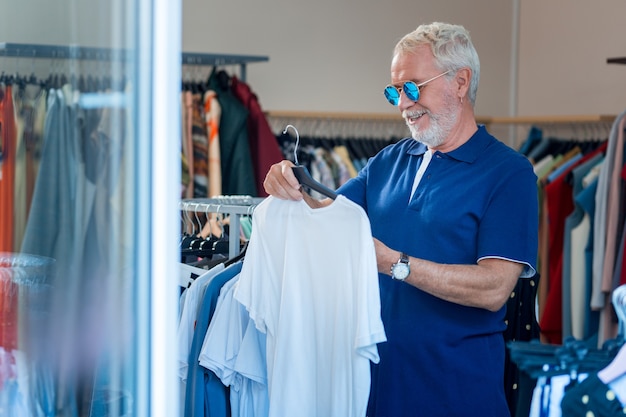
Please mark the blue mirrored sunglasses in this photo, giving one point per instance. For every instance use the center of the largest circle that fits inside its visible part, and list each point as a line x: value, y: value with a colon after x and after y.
x: 412, y: 90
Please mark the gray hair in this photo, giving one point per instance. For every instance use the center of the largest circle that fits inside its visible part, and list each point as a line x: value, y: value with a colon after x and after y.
x: 451, y: 45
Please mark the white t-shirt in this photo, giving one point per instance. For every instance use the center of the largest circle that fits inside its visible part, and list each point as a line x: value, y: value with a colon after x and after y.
x: 310, y: 283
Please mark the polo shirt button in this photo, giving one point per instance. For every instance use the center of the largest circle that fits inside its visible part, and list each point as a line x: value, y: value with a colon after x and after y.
x: 610, y: 395
x: 585, y: 399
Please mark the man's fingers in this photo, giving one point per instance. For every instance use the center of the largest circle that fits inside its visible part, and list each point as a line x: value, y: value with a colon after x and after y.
x: 280, y: 182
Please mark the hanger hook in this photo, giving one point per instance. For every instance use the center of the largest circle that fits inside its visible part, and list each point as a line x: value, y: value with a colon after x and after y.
x: 295, y: 150
x: 187, y: 223
x: 195, y: 212
x: 190, y: 220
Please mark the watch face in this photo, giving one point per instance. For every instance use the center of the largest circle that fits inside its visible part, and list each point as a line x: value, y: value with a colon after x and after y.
x: 400, y: 271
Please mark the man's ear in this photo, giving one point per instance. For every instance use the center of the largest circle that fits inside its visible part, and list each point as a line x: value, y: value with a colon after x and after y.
x: 463, y: 77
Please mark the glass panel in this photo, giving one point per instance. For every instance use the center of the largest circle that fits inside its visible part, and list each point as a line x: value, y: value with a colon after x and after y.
x: 78, y: 208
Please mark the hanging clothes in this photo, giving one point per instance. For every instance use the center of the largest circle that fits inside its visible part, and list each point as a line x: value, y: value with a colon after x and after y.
x: 560, y: 204
x: 212, y: 116
x: 581, y: 224
x: 8, y: 139
x: 591, y: 397
x: 205, y: 395
x: 237, y: 169
x: 331, y: 162
x: 317, y: 301
x: 577, y: 253
x: 200, y: 147
x: 235, y: 350
x: 609, y: 213
x: 187, y: 159
x: 264, y: 148
x: 521, y: 325
x: 29, y: 101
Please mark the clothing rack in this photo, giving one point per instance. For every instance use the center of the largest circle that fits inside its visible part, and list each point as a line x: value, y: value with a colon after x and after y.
x: 584, y: 127
x: 486, y: 120
x: 16, y: 50
x: 344, y: 125
x: 235, y: 206
x: 549, y: 120
x: 382, y: 125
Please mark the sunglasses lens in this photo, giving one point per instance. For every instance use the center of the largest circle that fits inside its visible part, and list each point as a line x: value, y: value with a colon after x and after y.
x: 411, y: 90
x: 392, y: 95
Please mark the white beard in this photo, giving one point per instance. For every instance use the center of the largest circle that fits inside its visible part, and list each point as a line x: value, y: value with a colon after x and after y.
x: 440, y: 125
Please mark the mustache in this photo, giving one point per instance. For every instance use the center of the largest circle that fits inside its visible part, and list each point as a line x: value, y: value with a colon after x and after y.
x: 407, y: 114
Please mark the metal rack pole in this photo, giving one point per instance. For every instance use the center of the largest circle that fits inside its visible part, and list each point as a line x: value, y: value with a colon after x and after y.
x: 107, y: 54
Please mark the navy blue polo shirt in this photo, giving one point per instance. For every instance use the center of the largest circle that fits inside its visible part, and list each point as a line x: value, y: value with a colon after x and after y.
x: 477, y: 201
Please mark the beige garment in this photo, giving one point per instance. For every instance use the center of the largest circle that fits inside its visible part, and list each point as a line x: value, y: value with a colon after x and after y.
x: 579, y: 238
x: 543, y: 167
x: 342, y: 151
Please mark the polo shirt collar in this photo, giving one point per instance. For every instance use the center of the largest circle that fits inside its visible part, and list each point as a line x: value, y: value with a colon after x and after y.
x: 473, y: 148
x: 416, y: 148
x: 468, y: 152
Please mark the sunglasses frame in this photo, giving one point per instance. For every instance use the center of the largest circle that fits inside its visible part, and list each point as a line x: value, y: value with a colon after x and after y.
x: 395, y: 100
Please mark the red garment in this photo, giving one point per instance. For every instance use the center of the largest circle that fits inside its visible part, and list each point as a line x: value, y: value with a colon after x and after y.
x: 8, y: 288
x: 8, y: 137
x: 560, y: 205
x: 264, y: 147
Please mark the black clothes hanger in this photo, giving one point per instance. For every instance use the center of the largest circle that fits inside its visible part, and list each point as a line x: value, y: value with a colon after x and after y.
x: 237, y: 258
x: 539, y: 359
x: 199, y: 247
x: 304, y: 176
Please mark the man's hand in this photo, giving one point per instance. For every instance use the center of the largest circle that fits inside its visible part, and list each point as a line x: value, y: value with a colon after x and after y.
x: 281, y: 182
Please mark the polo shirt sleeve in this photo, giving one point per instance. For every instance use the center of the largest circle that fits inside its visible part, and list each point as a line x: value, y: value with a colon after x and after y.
x: 509, y: 226
x: 354, y: 189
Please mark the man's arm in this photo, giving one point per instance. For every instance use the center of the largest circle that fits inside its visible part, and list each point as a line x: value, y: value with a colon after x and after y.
x: 488, y: 284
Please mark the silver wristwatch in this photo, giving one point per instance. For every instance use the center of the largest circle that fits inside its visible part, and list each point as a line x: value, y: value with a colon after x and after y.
x: 401, y: 269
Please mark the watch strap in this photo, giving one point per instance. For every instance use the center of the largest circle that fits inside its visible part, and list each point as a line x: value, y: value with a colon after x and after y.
x: 404, y: 258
